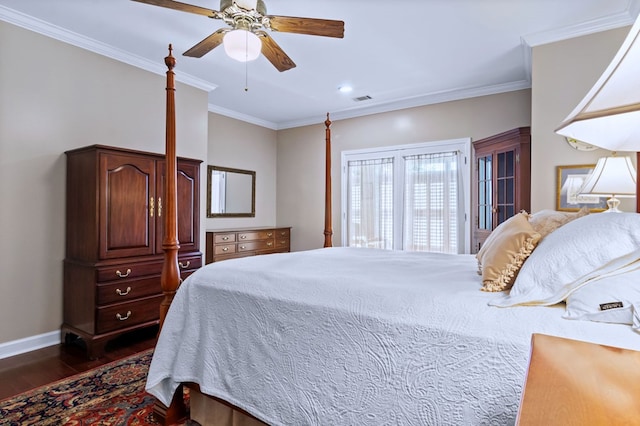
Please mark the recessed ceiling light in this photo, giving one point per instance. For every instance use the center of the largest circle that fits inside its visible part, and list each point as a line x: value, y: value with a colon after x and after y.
x: 345, y: 89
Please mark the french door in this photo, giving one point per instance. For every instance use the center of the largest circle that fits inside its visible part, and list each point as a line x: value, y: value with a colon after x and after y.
x: 413, y: 197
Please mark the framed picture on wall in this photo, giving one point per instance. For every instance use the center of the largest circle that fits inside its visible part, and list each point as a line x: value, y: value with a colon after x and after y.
x: 569, y: 181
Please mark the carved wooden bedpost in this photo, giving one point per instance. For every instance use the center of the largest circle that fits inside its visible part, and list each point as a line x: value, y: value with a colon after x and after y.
x: 170, y: 278
x: 328, y: 231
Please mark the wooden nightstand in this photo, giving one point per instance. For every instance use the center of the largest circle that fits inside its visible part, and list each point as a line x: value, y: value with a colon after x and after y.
x: 578, y: 383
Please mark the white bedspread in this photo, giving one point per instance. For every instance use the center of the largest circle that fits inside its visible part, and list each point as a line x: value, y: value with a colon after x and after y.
x: 345, y: 336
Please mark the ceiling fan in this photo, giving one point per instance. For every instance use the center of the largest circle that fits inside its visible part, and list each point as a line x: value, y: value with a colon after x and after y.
x: 246, y: 36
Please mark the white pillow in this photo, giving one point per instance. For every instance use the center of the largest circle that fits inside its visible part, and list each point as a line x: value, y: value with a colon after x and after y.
x: 586, y: 248
x: 585, y: 303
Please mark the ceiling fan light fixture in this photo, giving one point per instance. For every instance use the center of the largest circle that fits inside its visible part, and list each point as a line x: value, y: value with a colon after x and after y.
x: 242, y: 45
x: 247, y: 4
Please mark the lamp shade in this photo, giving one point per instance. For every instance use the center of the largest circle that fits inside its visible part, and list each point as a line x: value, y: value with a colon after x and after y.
x: 609, y: 114
x: 612, y: 176
x: 242, y: 45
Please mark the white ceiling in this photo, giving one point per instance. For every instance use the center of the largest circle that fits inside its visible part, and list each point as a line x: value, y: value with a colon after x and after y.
x: 401, y: 53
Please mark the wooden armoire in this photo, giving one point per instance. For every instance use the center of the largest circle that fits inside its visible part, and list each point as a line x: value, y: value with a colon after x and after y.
x: 114, y: 233
x: 501, y: 180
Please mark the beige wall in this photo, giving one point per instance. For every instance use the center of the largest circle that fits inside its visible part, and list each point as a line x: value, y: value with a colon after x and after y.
x: 56, y: 97
x: 240, y: 145
x: 301, y: 152
x: 563, y: 72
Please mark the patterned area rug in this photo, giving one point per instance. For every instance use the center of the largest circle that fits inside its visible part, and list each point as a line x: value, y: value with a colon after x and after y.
x: 112, y: 394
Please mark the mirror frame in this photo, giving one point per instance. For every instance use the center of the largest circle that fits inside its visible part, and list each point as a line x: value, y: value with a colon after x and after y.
x: 210, y: 169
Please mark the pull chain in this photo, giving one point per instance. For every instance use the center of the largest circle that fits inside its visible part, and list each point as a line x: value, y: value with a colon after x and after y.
x: 246, y: 62
x: 246, y: 76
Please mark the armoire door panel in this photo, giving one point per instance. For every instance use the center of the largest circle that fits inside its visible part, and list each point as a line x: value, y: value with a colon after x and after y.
x: 128, y: 207
x: 188, y: 205
x: 188, y: 194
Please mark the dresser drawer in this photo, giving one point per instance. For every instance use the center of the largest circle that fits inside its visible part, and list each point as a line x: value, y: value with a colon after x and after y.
x: 255, y: 245
x: 224, y: 249
x: 256, y: 235
x: 283, y: 233
x: 122, y: 315
x: 225, y: 238
x: 238, y: 255
x: 189, y: 263
x: 129, y: 270
x: 116, y: 292
x: 282, y: 243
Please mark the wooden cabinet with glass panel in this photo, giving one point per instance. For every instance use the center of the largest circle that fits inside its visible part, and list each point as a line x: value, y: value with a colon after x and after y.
x: 501, y: 180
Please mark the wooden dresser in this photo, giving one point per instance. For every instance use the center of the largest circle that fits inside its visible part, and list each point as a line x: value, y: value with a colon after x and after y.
x: 232, y: 243
x: 571, y: 382
x: 114, y: 233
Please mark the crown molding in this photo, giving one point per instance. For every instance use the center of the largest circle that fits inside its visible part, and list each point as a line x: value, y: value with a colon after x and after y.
x: 242, y: 117
x: 411, y: 102
x: 585, y: 28
x: 41, y: 27
x: 529, y: 41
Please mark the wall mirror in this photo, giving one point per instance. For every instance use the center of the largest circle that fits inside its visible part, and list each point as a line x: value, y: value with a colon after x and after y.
x: 230, y: 192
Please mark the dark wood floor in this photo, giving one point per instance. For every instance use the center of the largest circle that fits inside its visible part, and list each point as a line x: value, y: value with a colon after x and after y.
x: 30, y: 370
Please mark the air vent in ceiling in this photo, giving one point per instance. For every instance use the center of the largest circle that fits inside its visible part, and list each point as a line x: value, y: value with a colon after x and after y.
x: 362, y: 98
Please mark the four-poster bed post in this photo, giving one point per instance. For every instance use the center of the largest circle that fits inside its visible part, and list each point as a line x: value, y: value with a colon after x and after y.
x: 170, y: 277
x: 328, y: 231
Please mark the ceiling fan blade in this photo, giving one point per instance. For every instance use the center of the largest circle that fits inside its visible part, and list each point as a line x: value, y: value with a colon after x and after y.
x: 274, y: 53
x: 310, y: 26
x: 207, y: 45
x: 184, y: 7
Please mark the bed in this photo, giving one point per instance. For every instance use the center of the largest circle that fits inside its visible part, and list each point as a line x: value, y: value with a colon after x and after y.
x: 365, y: 336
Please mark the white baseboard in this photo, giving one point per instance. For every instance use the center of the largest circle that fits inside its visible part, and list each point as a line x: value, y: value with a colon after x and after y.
x: 20, y: 346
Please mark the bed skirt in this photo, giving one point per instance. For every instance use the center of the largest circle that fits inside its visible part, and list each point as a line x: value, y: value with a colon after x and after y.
x: 209, y: 411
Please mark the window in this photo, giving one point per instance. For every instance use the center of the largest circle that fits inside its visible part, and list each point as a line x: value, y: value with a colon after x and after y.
x: 370, y: 209
x: 412, y: 197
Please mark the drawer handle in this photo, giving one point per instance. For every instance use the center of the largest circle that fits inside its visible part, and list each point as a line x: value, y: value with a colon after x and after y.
x: 121, y: 275
x: 283, y: 233
x: 243, y: 237
x: 121, y: 318
x: 269, y: 244
x: 183, y: 266
x: 269, y: 234
x: 121, y: 293
x: 225, y: 238
x: 283, y: 242
x: 225, y: 248
x: 243, y: 247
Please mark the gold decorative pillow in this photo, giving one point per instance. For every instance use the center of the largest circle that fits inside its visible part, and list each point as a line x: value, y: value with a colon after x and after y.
x: 504, y: 252
x: 547, y: 221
